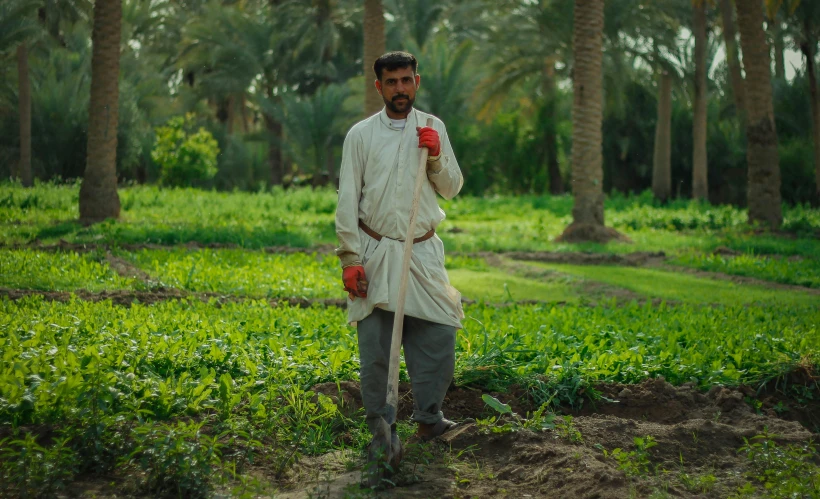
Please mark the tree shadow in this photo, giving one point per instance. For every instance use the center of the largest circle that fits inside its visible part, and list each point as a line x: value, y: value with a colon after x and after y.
x: 59, y: 229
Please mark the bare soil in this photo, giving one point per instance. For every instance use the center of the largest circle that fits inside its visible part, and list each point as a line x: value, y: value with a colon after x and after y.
x: 126, y: 269
x: 635, y: 259
x: 698, y: 435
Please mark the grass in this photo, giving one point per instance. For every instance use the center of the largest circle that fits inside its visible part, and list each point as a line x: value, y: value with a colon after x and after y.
x: 305, y: 218
x: 497, y: 286
x: 681, y: 287
x: 60, y: 271
x: 800, y: 272
x: 256, y: 274
x: 242, y: 272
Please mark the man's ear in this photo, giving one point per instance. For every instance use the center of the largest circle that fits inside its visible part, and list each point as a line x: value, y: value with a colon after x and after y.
x: 418, y: 80
x: 378, y: 85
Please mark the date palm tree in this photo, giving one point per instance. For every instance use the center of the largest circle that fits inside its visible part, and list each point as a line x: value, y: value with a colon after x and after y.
x: 587, y: 117
x: 700, y: 183
x: 17, y: 27
x: 374, y: 46
x: 761, y: 152
x: 98, y: 193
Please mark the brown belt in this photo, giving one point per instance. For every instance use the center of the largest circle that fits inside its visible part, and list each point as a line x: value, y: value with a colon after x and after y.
x: 378, y: 237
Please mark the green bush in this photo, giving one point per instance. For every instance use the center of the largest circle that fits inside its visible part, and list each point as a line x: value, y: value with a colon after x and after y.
x: 797, y: 170
x: 28, y: 469
x: 184, y: 156
x: 177, y: 458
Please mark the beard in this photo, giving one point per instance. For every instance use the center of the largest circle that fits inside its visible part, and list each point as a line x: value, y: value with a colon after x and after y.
x: 401, y: 107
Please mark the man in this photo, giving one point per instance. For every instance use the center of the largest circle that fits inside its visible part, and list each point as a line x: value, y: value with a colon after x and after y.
x: 379, y: 166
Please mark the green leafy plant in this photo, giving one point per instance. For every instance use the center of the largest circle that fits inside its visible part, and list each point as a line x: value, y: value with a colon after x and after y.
x: 540, y: 419
x: 800, y: 272
x: 28, y: 469
x: 185, y: 156
x: 505, y: 420
x: 497, y: 423
x: 783, y: 471
x: 636, y: 462
x: 696, y: 483
x: 567, y: 430
x: 177, y: 458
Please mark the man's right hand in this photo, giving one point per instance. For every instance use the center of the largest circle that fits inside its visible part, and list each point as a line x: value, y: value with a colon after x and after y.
x: 355, y: 281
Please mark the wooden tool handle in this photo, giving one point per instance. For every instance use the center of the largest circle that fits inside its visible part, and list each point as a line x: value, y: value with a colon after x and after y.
x: 398, y: 320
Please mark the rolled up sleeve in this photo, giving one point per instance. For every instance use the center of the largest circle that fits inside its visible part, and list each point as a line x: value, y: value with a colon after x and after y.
x: 445, y: 175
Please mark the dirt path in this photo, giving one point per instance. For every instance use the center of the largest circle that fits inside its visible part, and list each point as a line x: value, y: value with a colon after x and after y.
x: 127, y: 269
x: 697, y: 437
x: 636, y: 259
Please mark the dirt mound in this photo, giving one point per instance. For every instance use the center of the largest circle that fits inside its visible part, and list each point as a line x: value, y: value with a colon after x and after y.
x: 126, y: 269
x: 630, y: 259
x: 697, y: 438
x: 653, y: 400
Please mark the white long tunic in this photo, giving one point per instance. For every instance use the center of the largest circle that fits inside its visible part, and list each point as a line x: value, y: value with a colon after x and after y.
x: 378, y: 173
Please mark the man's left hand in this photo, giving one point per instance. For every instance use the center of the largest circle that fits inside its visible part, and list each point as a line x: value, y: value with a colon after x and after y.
x: 429, y: 138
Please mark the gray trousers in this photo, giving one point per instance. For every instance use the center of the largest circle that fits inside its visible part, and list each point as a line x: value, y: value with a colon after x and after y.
x: 429, y: 352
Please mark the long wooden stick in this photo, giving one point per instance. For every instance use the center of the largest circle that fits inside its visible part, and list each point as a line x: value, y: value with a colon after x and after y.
x: 398, y: 321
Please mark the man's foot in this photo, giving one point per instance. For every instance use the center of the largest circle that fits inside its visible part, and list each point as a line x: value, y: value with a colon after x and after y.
x: 396, y: 452
x: 383, y: 459
x: 427, y: 432
x: 378, y: 454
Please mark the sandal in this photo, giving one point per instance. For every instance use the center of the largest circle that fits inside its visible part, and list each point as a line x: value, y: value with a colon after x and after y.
x: 427, y: 432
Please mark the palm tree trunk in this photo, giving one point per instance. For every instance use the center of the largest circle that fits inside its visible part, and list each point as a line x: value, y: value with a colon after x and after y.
x: 761, y: 152
x: 374, y: 47
x: 807, y: 47
x: 662, y: 161
x: 24, y: 104
x: 776, y: 32
x: 550, y: 140
x: 98, y: 194
x: 243, y: 103
x: 230, y: 114
x: 587, y: 117
x: 700, y: 183
x: 331, y: 167
x: 732, y: 58
x: 277, y: 173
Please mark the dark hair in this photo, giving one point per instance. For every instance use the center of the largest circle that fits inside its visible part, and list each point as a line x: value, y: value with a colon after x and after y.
x: 393, y: 61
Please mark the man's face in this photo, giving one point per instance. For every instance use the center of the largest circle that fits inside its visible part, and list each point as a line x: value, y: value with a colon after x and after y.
x: 398, y: 89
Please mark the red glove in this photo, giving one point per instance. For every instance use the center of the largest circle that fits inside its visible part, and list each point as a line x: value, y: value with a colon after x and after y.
x: 355, y: 282
x: 429, y: 138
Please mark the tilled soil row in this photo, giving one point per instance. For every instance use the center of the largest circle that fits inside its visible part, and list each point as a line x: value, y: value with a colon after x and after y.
x: 697, y: 434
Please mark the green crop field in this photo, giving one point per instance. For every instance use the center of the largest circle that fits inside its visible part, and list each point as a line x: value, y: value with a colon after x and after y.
x: 195, y: 392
